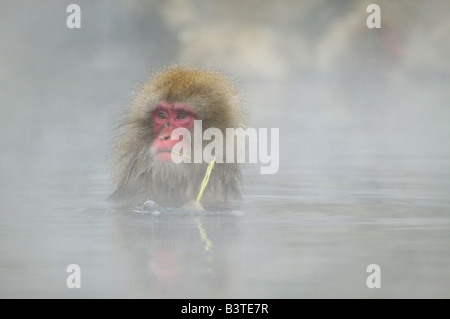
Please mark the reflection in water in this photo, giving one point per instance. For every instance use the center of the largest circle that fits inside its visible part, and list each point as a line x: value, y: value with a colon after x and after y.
x: 178, y: 253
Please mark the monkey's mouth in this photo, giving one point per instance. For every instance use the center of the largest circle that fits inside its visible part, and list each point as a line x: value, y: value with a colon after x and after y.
x: 164, y: 155
x: 163, y: 151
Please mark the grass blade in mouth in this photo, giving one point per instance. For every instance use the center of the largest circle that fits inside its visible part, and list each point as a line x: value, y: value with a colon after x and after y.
x: 206, y: 179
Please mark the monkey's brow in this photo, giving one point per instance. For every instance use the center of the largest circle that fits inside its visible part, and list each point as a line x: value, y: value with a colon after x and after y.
x: 174, y: 109
x: 158, y: 108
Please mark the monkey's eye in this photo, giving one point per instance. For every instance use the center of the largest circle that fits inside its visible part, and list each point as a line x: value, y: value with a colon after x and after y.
x: 161, y: 115
x: 181, y: 116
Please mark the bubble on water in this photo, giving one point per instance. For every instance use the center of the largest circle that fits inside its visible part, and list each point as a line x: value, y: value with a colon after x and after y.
x: 150, y: 205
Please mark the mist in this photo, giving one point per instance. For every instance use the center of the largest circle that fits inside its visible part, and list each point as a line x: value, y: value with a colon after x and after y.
x: 364, y: 154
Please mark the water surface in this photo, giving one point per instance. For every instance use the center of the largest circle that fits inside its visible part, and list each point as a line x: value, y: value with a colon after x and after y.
x: 364, y: 173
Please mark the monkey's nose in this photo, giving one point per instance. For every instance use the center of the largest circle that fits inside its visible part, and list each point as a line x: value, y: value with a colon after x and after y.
x: 164, y: 137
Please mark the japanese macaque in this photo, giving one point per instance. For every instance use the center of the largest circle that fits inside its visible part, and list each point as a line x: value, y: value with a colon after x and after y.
x: 174, y: 98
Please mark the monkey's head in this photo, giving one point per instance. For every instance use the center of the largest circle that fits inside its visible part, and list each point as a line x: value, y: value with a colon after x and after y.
x: 175, y: 98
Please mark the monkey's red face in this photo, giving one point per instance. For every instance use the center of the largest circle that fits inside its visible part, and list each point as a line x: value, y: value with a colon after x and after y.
x: 166, y: 118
